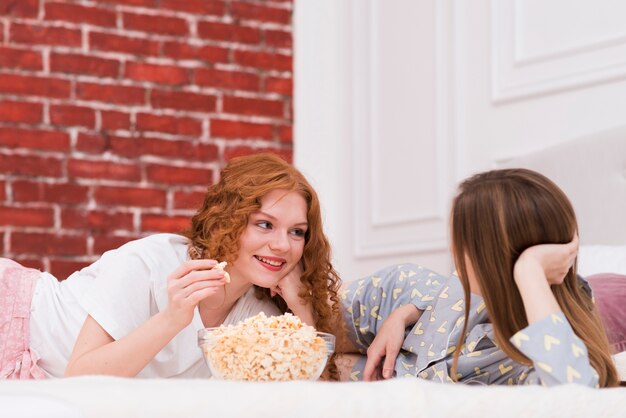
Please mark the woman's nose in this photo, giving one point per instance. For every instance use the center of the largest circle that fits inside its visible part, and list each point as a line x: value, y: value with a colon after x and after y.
x: 279, y: 242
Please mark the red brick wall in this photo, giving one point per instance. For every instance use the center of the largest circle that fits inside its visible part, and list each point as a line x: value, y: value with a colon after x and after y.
x: 116, y: 114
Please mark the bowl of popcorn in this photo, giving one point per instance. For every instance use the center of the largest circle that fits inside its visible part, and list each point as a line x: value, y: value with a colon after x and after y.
x: 262, y: 348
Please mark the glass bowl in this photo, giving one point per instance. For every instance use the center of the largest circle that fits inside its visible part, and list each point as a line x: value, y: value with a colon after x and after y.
x: 268, y: 354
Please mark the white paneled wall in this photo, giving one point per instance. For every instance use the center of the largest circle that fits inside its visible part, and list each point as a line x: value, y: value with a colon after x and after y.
x: 398, y: 100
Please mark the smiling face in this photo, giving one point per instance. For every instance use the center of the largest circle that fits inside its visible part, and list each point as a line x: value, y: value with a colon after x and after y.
x: 273, y: 240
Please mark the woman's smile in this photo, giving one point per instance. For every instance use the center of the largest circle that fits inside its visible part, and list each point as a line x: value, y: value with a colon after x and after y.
x: 271, y: 263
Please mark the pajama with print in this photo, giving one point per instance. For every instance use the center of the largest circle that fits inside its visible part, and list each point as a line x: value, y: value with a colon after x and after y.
x: 558, y: 355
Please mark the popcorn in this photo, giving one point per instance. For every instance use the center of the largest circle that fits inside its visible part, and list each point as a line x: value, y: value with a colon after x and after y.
x: 263, y: 348
x: 222, y: 266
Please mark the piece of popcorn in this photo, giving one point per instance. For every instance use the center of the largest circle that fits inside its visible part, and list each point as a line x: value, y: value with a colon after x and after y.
x: 222, y: 266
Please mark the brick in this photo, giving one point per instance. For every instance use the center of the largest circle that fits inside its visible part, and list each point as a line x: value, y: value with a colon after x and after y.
x: 112, y: 120
x: 19, y: 8
x: 31, y: 165
x: 183, y: 100
x: 169, y: 124
x: 265, y: 60
x: 84, y: 65
x: 80, y: 14
x: 206, y: 152
x: 3, y: 194
x: 62, y: 269
x: 227, y: 79
x: 61, y: 193
x: 13, y: 216
x: 201, y: 7
x: 163, y: 74
x: 188, y: 150
x: 32, y: 34
x: 102, y: 243
x: 184, y: 51
x: 285, y: 134
x: 103, y: 170
x: 96, y: 221
x: 24, y: 112
x: 125, y: 44
x: 68, y: 115
x: 163, y: 25
x: 279, y: 85
x: 161, y: 223
x: 64, y: 193
x: 278, y: 38
x: 260, y: 13
x: 48, y: 244
x: 221, y: 128
x: 111, y: 93
x: 22, y: 59
x: 178, y: 175
x: 130, y: 196
x: 258, y: 107
x: 136, y: 147
x: 238, y: 151
x: 229, y: 32
x: 91, y: 143
x: 34, y: 86
x: 144, y: 3
x: 34, y: 139
x: 188, y: 199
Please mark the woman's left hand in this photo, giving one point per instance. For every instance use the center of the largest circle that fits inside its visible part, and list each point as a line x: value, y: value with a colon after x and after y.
x: 554, y: 259
x: 289, y: 288
x: 536, y: 269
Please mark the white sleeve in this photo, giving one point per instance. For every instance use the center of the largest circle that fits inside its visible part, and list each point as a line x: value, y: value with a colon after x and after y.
x: 121, y: 296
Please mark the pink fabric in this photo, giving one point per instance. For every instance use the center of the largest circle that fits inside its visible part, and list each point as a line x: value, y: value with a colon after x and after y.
x: 609, y: 294
x: 17, y: 284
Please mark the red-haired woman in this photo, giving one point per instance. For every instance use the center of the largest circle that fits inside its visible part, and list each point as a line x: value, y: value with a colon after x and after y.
x: 136, y: 311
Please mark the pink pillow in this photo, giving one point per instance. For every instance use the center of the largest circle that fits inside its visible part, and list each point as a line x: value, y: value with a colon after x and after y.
x: 609, y: 293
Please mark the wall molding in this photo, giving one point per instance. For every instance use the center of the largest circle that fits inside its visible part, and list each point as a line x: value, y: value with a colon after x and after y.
x: 376, y: 232
x: 519, y: 74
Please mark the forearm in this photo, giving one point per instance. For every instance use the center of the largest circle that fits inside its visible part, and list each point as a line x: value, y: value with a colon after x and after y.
x: 538, y: 299
x: 127, y: 356
x: 304, y: 311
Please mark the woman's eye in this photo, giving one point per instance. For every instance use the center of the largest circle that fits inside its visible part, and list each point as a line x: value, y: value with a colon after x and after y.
x: 298, y: 232
x: 264, y: 225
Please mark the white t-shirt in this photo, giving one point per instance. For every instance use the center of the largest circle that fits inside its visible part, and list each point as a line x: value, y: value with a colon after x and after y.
x: 121, y: 291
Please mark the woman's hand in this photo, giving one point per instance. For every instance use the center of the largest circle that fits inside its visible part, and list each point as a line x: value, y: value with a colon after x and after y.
x: 190, y: 283
x: 289, y: 288
x: 555, y: 260
x: 382, y: 353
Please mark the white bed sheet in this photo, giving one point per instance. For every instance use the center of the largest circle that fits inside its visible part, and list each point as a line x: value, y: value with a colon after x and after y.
x: 106, y: 397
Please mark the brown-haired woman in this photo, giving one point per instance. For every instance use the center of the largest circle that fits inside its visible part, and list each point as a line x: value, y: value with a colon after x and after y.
x: 517, y: 312
x: 139, y: 307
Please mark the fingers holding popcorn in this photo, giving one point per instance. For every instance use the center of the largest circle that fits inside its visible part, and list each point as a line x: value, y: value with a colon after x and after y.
x: 222, y: 266
x: 192, y: 282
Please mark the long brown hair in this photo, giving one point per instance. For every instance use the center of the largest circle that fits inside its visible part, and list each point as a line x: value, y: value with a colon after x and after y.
x: 496, y: 215
x: 220, y: 221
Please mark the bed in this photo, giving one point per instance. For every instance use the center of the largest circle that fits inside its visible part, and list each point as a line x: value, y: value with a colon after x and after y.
x: 591, y: 170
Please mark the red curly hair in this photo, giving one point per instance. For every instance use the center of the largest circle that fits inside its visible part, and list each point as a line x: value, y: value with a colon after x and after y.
x: 218, y: 225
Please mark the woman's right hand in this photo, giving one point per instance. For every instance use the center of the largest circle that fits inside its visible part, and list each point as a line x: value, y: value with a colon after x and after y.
x: 383, y: 351
x: 190, y: 283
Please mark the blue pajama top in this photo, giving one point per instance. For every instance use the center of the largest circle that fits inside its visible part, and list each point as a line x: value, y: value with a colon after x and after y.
x: 558, y: 355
